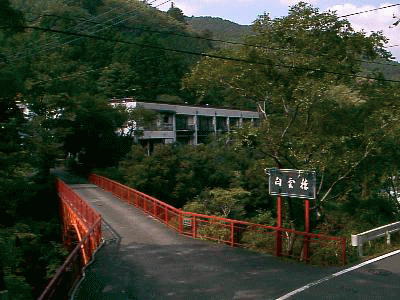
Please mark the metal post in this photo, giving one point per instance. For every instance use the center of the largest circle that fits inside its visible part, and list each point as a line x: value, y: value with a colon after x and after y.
x: 194, y: 228
x: 344, y: 251
x: 98, y: 233
x: 387, y: 237
x: 232, y: 234
x: 154, y: 208
x: 307, y: 215
x: 360, y: 249
x: 279, y: 212
x: 180, y: 217
x: 278, y: 241
x: 195, y: 120
x: 166, y: 215
x: 214, y: 118
x: 306, y: 229
x: 174, y: 125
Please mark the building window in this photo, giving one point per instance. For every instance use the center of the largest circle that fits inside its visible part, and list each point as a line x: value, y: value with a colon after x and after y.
x: 166, y: 118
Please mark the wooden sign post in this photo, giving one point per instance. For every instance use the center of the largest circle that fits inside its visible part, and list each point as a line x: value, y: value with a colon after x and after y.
x: 294, y: 184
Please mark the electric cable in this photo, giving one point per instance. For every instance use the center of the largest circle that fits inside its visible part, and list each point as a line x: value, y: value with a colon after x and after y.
x: 228, y: 42
x: 101, y: 29
x: 75, y: 27
x: 369, y: 10
x: 224, y: 41
x: 214, y: 56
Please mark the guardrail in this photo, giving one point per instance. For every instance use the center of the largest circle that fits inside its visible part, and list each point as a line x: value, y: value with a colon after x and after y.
x: 84, y: 212
x: 323, y: 249
x: 86, y: 221
x: 357, y: 240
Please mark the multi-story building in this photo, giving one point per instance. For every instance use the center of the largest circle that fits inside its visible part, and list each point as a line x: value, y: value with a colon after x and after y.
x: 184, y: 124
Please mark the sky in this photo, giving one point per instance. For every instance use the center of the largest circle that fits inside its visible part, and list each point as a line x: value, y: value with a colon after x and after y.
x: 246, y: 11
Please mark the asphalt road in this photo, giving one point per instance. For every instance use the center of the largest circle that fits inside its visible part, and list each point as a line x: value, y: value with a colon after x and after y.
x: 142, y: 259
x: 378, y: 280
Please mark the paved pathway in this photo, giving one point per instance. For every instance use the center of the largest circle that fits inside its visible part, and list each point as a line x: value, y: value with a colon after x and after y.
x: 145, y: 260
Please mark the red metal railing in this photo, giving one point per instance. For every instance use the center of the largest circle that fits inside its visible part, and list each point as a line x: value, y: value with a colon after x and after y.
x: 321, y: 249
x: 78, y: 217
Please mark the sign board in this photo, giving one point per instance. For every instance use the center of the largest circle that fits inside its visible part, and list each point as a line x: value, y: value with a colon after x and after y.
x: 187, y: 222
x: 292, y: 183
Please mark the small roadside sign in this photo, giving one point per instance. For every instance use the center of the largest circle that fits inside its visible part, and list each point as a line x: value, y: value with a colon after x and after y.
x: 187, y: 222
x: 292, y: 183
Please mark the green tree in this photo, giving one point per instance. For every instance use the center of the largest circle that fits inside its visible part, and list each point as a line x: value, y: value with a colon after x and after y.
x: 220, y: 202
x: 177, y: 174
x: 91, y: 137
x: 313, y: 118
x: 118, y: 80
x: 176, y: 13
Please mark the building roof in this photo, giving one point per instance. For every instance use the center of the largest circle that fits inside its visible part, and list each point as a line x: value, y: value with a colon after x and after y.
x: 189, y: 109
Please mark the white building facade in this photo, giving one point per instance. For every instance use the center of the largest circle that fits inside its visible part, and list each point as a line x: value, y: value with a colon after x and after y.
x: 185, y: 124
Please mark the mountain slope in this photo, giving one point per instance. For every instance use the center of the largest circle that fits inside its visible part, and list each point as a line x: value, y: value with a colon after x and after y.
x: 220, y: 28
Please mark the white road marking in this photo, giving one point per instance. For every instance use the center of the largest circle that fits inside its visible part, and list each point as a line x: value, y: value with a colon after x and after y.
x: 314, y: 283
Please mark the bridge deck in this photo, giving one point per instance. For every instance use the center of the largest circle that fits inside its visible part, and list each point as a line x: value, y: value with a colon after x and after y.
x: 145, y: 260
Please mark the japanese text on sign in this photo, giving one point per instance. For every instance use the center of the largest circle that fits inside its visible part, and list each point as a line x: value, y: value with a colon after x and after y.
x: 292, y: 183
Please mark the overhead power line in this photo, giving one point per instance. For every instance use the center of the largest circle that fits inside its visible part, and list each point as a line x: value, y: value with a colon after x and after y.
x: 118, y: 24
x: 222, y: 41
x: 369, y: 10
x: 48, y: 45
x: 204, y: 54
x: 43, y: 48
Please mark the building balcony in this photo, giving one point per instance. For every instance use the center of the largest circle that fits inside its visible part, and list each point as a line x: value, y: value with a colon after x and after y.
x: 157, y: 127
x: 185, y: 127
x: 205, y: 128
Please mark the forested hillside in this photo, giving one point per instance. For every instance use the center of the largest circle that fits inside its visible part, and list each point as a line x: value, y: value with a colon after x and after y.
x: 220, y: 28
x: 226, y: 30
x: 391, y: 70
x: 62, y: 60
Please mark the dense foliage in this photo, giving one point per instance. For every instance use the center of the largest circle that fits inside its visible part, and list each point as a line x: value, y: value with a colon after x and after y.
x: 316, y: 115
x: 54, y: 89
x: 29, y: 231
x: 53, y: 105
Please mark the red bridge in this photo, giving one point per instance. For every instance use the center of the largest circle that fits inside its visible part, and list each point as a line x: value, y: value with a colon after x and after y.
x: 146, y: 261
x: 228, y: 231
x: 81, y: 223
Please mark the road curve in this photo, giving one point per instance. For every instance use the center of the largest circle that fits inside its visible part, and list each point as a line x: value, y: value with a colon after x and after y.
x: 143, y: 260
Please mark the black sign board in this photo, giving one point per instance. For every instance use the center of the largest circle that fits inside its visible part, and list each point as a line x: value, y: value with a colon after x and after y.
x: 292, y: 183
